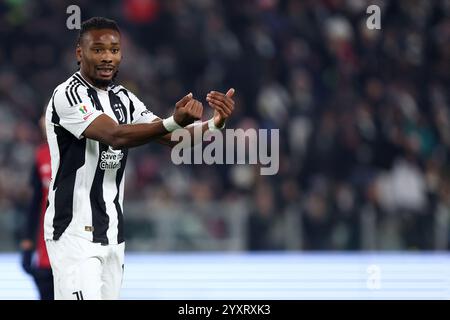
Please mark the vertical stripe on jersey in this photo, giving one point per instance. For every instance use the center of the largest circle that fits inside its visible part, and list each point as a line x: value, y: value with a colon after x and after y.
x: 120, y: 113
x: 100, y: 218
x: 71, y: 89
x: 131, y: 104
x: 67, y: 93
x: 84, y: 204
x: 71, y: 151
x: 93, y: 95
x: 119, y: 177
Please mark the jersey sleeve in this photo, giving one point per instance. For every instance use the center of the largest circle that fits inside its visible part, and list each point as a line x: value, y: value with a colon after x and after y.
x: 74, y: 109
x: 141, y: 114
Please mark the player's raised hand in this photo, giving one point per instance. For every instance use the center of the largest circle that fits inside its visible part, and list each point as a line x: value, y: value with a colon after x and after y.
x: 223, y: 105
x: 187, y: 110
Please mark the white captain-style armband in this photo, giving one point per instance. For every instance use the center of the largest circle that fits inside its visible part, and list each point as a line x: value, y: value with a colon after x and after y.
x: 170, y: 124
x: 212, y: 126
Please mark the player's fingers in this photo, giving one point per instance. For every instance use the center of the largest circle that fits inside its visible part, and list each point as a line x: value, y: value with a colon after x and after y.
x: 224, y: 113
x: 189, y: 105
x: 184, y: 100
x: 221, y: 104
x: 230, y: 92
x: 197, y: 110
x: 192, y: 108
x: 228, y: 95
x: 221, y: 97
x: 200, y: 108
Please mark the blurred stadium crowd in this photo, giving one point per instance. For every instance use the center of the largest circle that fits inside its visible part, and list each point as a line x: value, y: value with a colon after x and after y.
x: 363, y: 114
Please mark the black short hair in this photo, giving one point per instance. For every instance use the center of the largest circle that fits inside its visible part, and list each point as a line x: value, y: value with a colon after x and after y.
x: 97, y: 23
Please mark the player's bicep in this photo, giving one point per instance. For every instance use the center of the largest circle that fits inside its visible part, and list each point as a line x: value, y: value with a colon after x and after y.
x: 101, y: 129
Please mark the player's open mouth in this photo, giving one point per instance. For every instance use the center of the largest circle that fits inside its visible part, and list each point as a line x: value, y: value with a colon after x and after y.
x: 105, y: 71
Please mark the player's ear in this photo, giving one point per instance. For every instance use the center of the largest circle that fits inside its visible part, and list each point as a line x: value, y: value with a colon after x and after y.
x: 78, y: 53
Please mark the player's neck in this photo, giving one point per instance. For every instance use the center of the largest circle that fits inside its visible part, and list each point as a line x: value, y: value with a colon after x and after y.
x: 92, y: 83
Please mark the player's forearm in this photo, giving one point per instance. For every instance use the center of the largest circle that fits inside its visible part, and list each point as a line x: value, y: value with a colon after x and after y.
x: 127, y: 136
x: 195, y: 138
x: 118, y: 136
x: 190, y: 136
x: 133, y: 135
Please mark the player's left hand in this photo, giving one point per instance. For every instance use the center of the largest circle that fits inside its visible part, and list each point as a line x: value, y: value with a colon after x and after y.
x: 223, y: 105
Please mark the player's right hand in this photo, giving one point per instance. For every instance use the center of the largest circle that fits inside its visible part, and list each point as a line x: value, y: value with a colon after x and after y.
x: 187, y: 110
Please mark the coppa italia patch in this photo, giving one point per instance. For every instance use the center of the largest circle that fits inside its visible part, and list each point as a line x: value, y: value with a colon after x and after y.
x: 84, y: 111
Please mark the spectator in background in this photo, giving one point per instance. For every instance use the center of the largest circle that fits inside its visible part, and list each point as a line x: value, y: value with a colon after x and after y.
x: 35, y: 259
x: 263, y: 220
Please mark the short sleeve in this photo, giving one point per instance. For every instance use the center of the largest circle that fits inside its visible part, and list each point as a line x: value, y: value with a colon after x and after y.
x: 75, y: 112
x: 141, y: 114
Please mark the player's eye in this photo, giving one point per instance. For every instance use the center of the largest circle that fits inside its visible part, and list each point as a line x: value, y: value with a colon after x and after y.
x: 97, y: 50
x: 115, y: 50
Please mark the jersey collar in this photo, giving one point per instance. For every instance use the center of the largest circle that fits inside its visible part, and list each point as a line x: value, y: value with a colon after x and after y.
x: 94, y: 87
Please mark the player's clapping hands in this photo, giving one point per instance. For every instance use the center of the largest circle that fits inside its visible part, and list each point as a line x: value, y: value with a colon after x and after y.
x: 223, y: 105
x: 187, y: 110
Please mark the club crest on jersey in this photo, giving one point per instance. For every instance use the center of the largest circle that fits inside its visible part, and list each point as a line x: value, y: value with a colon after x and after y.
x: 118, y: 111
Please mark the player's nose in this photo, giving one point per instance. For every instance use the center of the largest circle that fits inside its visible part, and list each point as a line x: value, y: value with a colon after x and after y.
x: 107, y: 58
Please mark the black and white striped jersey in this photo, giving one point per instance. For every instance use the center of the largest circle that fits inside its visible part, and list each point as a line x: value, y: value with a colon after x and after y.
x: 86, y: 191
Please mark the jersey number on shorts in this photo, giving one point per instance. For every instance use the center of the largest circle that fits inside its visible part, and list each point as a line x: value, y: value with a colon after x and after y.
x: 79, y: 295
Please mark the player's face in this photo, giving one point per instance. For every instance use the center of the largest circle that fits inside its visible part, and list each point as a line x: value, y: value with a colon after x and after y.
x: 100, y: 56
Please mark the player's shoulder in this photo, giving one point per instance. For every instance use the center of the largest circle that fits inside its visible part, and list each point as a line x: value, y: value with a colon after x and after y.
x: 71, y: 89
x: 128, y: 93
x: 75, y: 81
x: 120, y: 90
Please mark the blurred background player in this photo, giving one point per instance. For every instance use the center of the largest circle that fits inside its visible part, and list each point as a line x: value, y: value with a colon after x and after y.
x: 35, y: 259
